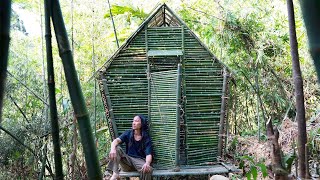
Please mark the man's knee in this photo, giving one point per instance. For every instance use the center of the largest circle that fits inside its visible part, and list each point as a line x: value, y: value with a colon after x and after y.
x: 119, y: 151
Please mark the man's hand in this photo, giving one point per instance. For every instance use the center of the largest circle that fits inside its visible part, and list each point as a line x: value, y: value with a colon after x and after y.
x: 146, y: 168
x: 113, y: 151
x: 113, y: 154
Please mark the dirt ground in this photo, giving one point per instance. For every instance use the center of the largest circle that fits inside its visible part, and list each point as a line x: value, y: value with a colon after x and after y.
x: 288, y: 133
x: 260, y: 151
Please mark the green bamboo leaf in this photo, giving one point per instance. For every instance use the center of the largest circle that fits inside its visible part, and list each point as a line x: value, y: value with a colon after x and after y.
x: 241, y: 165
x: 118, y: 10
x: 249, y: 158
x: 289, y: 161
x: 263, y: 169
x: 248, y: 175
x: 254, y: 172
x: 57, y: 90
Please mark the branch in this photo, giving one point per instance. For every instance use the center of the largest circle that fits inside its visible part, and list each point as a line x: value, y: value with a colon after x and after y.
x: 17, y: 139
x: 206, y: 14
x: 23, y: 114
x: 40, y: 98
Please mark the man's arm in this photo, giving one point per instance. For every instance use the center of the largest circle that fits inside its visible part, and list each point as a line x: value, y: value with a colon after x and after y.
x: 149, y: 159
x: 113, y: 151
x: 146, y: 167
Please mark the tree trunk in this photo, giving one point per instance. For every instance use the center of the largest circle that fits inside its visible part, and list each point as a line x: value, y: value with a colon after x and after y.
x: 277, y: 168
x: 5, y: 13
x: 298, y: 86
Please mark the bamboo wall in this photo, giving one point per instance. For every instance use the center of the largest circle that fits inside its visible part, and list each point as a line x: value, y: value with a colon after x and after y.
x: 128, y: 87
x: 203, y: 87
x: 201, y: 92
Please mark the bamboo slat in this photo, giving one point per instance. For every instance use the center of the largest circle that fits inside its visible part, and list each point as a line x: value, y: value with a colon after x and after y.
x: 163, y: 113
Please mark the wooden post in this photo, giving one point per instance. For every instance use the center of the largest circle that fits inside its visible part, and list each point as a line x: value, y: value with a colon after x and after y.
x: 222, y: 112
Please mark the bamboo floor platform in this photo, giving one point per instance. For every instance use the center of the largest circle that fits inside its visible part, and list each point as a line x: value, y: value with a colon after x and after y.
x: 184, y: 171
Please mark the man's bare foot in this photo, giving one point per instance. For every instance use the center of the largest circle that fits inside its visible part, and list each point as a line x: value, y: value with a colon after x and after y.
x: 115, y: 176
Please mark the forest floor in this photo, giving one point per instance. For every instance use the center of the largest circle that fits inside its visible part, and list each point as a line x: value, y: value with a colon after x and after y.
x: 259, y: 151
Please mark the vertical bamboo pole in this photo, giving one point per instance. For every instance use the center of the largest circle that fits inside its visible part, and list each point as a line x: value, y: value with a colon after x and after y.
x: 94, y: 70
x: 45, y: 109
x: 311, y: 16
x: 222, y: 112
x: 76, y: 95
x: 52, y: 95
x: 111, y: 115
x: 5, y: 13
x: 183, y: 81
x: 299, y: 94
x: 229, y: 105
x: 177, y: 155
x: 257, y: 107
x: 43, y: 162
x: 235, y: 111
x: 148, y: 74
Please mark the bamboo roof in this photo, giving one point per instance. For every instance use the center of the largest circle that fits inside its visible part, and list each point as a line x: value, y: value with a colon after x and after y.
x: 162, y: 16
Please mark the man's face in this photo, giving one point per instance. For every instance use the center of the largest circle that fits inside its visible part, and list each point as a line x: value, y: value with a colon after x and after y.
x: 136, y: 123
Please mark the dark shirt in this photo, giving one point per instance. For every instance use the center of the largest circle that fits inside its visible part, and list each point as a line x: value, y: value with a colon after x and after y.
x: 138, y: 149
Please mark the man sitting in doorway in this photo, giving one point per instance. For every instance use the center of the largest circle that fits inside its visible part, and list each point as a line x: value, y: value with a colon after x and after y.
x: 138, y: 154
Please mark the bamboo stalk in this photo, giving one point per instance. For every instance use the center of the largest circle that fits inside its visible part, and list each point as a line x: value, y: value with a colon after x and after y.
x: 178, y: 101
x: 43, y: 162
x: 94, y: 70
x: 311, y: 15
x: 298, y: 88
x: 114, y: 27
x: 223, y: 109
x: 52, y: 95
x: 148, y: 75
x: 111, y: 115
x: 45, y: 108
x: 76, y: 95
x: 5, y: 13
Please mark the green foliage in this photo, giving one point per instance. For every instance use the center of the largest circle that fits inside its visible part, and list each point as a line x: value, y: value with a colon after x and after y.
x: 254, y: 167
x: 130, y: 11
x: 288, y: 161
x: 251, y: 37
x: 314, y: 149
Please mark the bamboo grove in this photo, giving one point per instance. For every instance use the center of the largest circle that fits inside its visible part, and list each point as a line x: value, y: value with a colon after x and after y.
x: 250, y: 37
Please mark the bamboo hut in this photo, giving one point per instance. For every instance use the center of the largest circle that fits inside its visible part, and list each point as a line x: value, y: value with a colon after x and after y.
x: 165, y: 72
